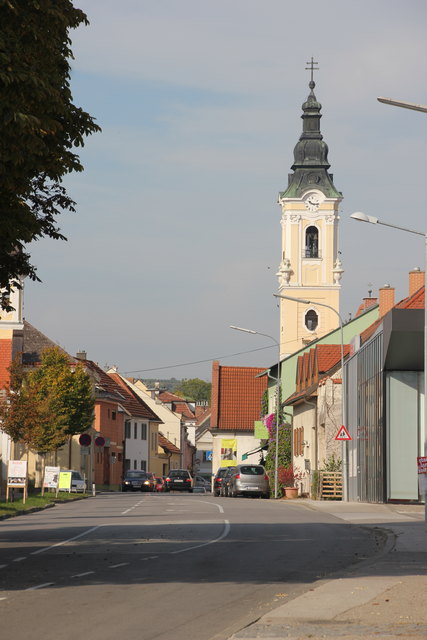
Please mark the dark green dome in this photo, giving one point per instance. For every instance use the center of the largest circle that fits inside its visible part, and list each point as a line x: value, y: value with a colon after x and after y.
x: 311, y: 164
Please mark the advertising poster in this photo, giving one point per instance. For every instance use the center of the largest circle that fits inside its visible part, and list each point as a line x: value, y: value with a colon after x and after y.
x: 228, y: 452
x: 422, y: 474
x: 17, y: 473
x: 65, y: 481
x: 51, y: 477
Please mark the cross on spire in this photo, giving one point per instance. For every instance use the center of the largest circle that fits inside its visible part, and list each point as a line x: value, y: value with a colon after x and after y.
x: 312, y: 68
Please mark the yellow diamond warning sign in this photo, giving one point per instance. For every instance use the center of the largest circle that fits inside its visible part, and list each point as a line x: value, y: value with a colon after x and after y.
x: 343, y: 434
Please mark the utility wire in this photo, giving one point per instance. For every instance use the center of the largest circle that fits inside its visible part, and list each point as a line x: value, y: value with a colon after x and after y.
x: 187, y: 364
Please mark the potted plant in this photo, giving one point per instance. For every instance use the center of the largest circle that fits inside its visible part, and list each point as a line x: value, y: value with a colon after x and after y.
x: 287, y: 477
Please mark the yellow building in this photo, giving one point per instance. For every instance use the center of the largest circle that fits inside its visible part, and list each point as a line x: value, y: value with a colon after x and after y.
x: 310, y: 268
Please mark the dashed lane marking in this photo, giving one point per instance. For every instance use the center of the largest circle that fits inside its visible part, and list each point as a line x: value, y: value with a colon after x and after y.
x: 120, y: 564
x: 80, y: 575
x: 19, y: 559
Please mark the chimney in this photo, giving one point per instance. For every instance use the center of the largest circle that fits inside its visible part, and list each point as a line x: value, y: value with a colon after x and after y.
x: 386, y: 299
x: 416, y: 280
x: 81, y: 355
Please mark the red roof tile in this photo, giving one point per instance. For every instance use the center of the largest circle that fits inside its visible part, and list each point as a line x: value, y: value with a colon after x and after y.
x: 237, y: 395
x: 328, y: 355
x: 366, y: 304
x: 167, y: 444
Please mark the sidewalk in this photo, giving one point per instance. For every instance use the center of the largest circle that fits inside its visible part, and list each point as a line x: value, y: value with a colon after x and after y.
x: 382, y: 598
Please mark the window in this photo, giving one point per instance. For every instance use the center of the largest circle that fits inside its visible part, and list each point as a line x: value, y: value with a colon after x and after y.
x: 311, y: 320
x: 127, y: 429
x: 153, y: 440
x: 143, y: 465
x: 127, y: 464
x: 143, y: 432
x: 135, y: 430
x: 134, y: 464
x: 113, y: 415
x: 312, y: 242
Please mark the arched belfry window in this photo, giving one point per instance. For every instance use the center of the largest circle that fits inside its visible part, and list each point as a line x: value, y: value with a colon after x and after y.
x: 311, y: 320
x: 312, y: 242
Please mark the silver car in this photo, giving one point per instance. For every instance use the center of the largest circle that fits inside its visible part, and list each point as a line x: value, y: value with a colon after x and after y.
x: 249, y: 479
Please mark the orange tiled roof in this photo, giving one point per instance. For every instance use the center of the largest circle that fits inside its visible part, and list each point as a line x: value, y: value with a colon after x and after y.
x: 328, y: 355
x: 167, y: 444
x: 366, y: 304
x: 236, y: 397
x: 415, y: 301
x: 167, y: 396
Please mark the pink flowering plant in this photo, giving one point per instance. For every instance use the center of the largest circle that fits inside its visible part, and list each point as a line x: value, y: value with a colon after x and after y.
x: 289, y: 476
x: 284, y: 442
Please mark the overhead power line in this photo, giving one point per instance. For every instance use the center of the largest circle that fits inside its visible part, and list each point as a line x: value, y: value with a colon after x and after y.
x: 187, y: 364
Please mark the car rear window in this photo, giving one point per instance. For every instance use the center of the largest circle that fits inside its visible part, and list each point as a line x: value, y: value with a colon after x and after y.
x: 179, y: 474
x: 221, y: 472
x: 252, y: 470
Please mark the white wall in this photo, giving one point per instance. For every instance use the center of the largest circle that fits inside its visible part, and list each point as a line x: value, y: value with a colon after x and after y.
x: 245, y: 442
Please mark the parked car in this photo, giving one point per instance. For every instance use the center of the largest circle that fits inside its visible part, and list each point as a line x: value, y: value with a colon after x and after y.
x: 77, y: 482
x: 249, y: 479
x: 136, y: 481
x: 218, y: 480
x: 152, y: 478
x: 160, y: 485
x: 201, y: 485
x: 226, y: 479
x: 179, y: 480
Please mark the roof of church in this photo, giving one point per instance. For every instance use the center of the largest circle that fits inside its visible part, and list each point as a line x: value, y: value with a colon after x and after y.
x: 35, y: 342
x: 311, y: 164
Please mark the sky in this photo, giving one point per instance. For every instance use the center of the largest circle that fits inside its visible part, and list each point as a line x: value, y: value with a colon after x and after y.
x: 177, y: 232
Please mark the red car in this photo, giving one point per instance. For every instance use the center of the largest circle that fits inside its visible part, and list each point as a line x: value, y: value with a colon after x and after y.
x: 160, y: 485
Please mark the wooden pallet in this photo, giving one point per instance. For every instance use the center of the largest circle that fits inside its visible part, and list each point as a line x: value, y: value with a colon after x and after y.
x: 330, y: 485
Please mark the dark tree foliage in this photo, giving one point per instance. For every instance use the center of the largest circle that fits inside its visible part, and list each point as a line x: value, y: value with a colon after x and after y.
x: 39, y: 128
x: 195, y: 389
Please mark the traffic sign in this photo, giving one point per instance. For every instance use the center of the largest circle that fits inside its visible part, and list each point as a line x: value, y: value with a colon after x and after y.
x: 85, y: 440
x: 343, y: 434
x: 99, y: 441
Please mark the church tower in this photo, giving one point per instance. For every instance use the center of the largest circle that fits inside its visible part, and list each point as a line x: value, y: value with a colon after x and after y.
x: 310, y: 268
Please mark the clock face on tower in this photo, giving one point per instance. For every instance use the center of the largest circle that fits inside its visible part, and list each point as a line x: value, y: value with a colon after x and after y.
x: 312, y: 202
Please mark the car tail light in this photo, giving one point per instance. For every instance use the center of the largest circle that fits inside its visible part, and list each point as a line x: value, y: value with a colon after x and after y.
x: 168, y: 479
x: 187, y: 479
x: 219, y: 479
x: 266, y: 477
x: 237, y: 476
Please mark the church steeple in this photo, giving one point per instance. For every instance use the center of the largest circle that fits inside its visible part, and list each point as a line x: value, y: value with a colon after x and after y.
x: 311, y: 153
x: 310, y: 267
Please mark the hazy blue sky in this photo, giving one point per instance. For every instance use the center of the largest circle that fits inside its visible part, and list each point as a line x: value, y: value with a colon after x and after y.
x: 177, y: 234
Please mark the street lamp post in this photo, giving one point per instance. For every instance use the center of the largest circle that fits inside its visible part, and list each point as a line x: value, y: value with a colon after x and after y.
x: 276, y: 459
x: 343, y: 394
x: 363, y: 217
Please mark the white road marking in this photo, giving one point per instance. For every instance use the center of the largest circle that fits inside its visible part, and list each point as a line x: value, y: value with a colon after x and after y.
x: 80, y: 575
x: 205, y: 544
x: 40, y: 586
x: 4, y: 598
x: 2, y: 566
x: 19, y: 559
x: 59, y: 544
x: 221, y: 510
x: 121, y: 564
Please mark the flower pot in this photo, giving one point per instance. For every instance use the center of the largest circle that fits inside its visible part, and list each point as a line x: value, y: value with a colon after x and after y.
x: 291, y: 492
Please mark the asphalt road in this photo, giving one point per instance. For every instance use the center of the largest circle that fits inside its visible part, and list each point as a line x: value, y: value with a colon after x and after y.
x: 164, y: 566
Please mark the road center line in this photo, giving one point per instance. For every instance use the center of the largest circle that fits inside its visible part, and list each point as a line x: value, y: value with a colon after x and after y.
x: 221, y: 510
x: 80, y: 575
x: 120, y: 564
x: 19, y: 559
x: 40, y: 586
x: 59, y: 544
x: 205, y: 544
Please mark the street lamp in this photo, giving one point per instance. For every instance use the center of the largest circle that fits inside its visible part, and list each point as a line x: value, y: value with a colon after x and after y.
x: 276, y: 459
x: 403, y: 104
x: 362, y: 217
x: 343, y: 396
